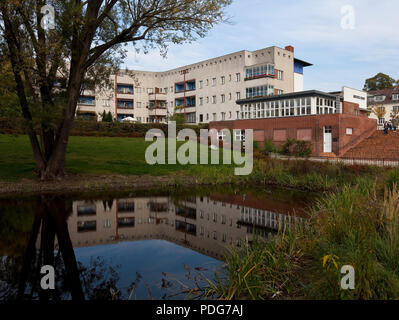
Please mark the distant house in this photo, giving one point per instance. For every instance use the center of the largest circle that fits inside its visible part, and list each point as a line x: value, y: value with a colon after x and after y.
x: 386, y: 99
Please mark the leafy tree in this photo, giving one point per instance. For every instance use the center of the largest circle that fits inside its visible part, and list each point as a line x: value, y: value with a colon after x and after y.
x: 88, y: 42
x: 378, y: 82
x: 379, y: 111
x: 107, y: 116
x: 178, y: 118
x: 9, y: 104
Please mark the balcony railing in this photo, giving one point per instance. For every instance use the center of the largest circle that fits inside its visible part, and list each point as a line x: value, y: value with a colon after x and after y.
x: 125, y: 91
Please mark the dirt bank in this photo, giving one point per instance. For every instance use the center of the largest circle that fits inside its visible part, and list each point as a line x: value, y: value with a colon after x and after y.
x: 73, y: 184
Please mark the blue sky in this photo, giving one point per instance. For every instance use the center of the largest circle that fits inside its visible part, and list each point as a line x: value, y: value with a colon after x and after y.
x: 313, y: 27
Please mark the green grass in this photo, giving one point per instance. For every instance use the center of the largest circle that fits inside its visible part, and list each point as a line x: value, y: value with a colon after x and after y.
x: 93, y: 156
x: 126, y: 156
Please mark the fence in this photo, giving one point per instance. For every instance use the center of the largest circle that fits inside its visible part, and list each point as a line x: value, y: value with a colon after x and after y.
x: 349, y: 161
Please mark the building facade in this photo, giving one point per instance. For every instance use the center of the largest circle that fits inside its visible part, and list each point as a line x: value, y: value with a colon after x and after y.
x: 333, y: 122
x: 206, y: 91
x: 386, y: 101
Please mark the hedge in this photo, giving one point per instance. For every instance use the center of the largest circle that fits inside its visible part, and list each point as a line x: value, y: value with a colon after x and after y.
x: 94, y: 128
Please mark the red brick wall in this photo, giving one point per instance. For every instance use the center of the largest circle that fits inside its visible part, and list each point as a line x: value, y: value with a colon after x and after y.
x: 314, y: 124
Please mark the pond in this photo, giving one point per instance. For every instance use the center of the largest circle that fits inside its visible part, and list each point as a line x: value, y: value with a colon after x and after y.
x: 142, y: 245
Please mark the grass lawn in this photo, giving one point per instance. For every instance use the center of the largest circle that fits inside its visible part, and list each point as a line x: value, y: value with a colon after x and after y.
x: 91, y: 155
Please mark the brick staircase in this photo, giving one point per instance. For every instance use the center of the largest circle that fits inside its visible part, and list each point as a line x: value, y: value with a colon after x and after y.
x: 377, y: 146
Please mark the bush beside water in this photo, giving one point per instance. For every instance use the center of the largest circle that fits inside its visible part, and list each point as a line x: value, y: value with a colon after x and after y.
x: 357, y: 226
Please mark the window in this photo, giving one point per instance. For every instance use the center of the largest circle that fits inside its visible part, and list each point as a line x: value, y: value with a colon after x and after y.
x: 201, y: 101
x: 223, y: 98
x: 223, y: 116
x: 125, y: 88
x: 125, y: 104
x: 381, y: 121
x: 379, y: 98
x: 214, y: 99
x: 90, y: 101
x: 201, y: 118
x: 230, y: 96
x: 207, y: 117
x: 395, y: 96
x: 222, y: 135
x: 279, y: 75
x: 349, y: 131
x: 280, y: 91
x: 395, y: 109
x: 223, y: 80
x: 259, y: 72
x: 238, y: 77
x: 239, y: 135
x: 106, y: 103
x: 213, y: 82
x: 214, y: 117
x: 230, y: 77
x: 138, y: 104
x: 207, y: 82
x: 261, y: 91
x: 238, y: 95
x: 201, y: 84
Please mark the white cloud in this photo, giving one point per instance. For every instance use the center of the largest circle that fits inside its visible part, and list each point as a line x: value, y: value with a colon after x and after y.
x: 313, y: 27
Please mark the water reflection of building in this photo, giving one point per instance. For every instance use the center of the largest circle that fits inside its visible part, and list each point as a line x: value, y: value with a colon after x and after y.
x: 205, y: 224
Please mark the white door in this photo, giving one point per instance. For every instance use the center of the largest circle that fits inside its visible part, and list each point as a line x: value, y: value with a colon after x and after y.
x: 327, y: 139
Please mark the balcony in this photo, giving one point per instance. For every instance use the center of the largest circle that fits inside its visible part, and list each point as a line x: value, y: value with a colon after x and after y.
x: 87, y: 101
x: 180, y: 87
x: 157, y: 97
x: 125, y: 104
x: 124, y: 89
x: 190, y: 102
x: 158, y: 112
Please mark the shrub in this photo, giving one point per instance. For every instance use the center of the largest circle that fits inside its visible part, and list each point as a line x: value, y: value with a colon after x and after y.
x: 392, y: 178
x: 268, y: 148
x: 293, y: 147
x: 303, y: 149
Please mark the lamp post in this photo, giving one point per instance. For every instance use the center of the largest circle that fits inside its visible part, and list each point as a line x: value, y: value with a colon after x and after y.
x: 184, y: 72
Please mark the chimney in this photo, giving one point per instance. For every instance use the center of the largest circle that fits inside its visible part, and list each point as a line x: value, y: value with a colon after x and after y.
x: 289, y: 48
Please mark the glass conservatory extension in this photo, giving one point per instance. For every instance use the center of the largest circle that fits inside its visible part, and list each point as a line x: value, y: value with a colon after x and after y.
x: 276, y: 107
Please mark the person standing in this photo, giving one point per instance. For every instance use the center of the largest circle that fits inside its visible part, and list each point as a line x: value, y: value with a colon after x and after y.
x: 394, y: 124
x: 386, y: 127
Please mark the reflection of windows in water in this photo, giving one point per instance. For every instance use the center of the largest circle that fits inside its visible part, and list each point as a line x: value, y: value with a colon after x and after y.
x: 126, y: 222
x: 201, y: 214
x: 158, y: 207
x: 202, y: 231
x: 215, y: 217
x: 186, y: 227
x: 215, y: 235
x: 107, y: 223
x: 86, y: 226
x: 190, y: 213
x: 223, y: 219
x: 87, y: 210
x: 125, y: 206
x: 191, y: 200
x: 224, y: 238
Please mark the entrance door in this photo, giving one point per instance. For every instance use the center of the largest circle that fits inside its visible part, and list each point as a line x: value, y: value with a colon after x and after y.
x: 327, y: 139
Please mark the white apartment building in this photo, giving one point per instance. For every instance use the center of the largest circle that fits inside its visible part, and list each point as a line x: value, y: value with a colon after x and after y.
x: 205, y: 91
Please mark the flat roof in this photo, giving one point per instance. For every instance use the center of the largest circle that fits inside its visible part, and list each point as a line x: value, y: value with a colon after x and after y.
x: 308, y: 93
x: 305, y: 64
